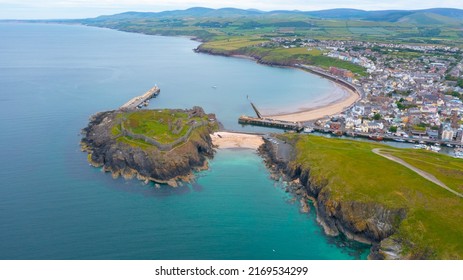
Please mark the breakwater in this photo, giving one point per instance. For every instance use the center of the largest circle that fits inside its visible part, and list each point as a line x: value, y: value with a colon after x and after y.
x: 246, y: 120
x: 139, y: 101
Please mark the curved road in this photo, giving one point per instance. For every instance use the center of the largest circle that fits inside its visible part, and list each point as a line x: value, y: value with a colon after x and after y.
x: 420, y: 172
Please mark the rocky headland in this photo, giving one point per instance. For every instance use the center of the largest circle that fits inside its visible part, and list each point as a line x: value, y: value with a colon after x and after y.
x: 163, y: 146
x: 243, y: 54
x: 370, y: 223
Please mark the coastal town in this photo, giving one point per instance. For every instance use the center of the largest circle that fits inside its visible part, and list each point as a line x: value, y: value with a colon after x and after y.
x: 408, y: 92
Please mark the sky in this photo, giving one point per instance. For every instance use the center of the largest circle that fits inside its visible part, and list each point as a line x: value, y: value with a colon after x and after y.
x: 65, y: 9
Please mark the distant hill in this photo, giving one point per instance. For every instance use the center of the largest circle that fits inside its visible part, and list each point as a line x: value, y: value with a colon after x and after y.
x: 338, y: 14
x: 452, y: 13
x: 198, y: 12
x: 386, y: 15
x: 427, y: 17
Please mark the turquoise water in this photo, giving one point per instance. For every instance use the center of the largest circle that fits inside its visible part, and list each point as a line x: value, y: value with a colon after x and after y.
x: 54, y: 206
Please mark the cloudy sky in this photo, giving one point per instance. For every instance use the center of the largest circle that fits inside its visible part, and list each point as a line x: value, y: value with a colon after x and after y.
x: 52, y: 9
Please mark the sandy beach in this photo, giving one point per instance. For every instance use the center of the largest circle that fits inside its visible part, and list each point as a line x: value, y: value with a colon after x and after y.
x: 321, y: 110
x: 230, y: 140
x: 335, y: 102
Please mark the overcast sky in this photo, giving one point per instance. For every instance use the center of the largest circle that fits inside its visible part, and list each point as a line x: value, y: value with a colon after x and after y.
x: 53, y: 9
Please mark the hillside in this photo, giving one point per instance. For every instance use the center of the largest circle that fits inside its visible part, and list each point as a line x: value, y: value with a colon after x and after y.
x: 383, y: 15
x: 437, y: 26
x: 427, y: 18
x: 372, y: 199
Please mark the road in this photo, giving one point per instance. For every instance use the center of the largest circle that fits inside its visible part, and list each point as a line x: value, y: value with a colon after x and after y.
x: 420, y: 172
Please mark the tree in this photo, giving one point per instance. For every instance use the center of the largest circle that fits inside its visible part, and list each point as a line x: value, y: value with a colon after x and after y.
x: 377, y: 117
x: 460, y: 83
x: 393, y: 129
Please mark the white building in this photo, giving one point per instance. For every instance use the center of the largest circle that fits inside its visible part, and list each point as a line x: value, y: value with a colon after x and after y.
x: 447, y: 134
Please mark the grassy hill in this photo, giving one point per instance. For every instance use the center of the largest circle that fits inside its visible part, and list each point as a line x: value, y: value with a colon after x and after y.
x: 427, y: 18
x: 432, y: 227
x: 250, y: 46
x: 339, y: 24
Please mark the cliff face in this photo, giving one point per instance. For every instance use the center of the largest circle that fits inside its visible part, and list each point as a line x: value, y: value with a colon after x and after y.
x: 259, y: 58
x: 146, y: 163
x: 370, y: 223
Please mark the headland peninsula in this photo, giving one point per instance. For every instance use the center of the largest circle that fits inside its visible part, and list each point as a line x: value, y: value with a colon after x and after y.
x: 163, y: 146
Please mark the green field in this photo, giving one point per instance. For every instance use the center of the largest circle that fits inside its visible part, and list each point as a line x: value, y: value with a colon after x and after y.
x: 239, y: 34
x: 419, y: 28
x: 281, y: 56
x: 234, y: 43
x: 432, y: 226
x: 447, y: 170
x: 164, y: 126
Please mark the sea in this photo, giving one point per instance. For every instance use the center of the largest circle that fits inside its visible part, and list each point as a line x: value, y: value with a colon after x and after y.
x: 53, y: 205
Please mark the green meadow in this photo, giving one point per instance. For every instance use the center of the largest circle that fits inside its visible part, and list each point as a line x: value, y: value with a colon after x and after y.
x: 432, y: 227
x: 165, y: 126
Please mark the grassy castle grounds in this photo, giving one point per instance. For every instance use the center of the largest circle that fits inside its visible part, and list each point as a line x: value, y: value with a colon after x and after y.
x: 166, y: 127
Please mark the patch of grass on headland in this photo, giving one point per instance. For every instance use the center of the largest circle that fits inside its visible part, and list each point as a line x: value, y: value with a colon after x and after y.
x: 233, y: 43
x: 164, y: 126
x: 447, y: 169
x: 134, y: 142
x: 355, y: 173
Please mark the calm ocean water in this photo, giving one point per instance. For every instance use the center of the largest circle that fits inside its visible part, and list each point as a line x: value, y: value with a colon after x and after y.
x: 53, y: 205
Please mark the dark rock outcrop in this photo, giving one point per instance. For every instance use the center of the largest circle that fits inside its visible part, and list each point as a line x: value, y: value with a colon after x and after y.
x: 370, y: 223
x: 147, y: 163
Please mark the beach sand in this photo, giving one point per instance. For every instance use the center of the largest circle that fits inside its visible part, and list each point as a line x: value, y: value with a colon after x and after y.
x: 229, y: 140
x: 332, y: 106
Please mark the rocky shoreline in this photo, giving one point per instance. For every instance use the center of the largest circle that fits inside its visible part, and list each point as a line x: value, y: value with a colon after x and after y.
x: 368, y: 223
x: 148, y: 163
x: 202, y: 49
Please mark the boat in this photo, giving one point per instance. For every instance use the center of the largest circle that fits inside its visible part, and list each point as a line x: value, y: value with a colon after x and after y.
x: 376, y: 137
x: 308, y: 129
x: 420, y: 146
x: 458, y: 152
x: 399, y: 140
x: 337, y: 132
x: 435, y: 148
